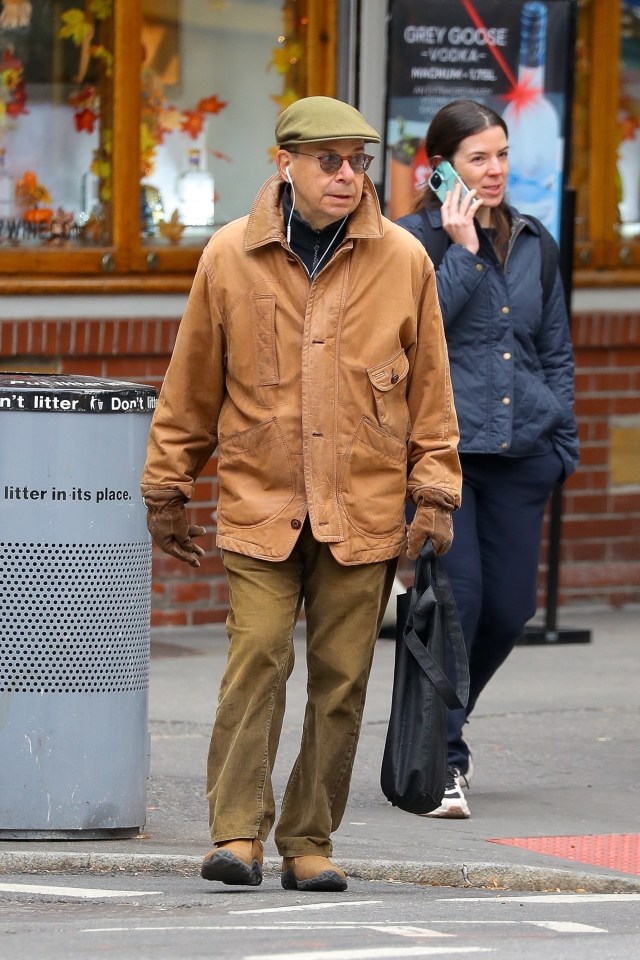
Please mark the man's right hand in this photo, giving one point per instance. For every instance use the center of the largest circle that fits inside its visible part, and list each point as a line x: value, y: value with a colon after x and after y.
x: 168, y: 525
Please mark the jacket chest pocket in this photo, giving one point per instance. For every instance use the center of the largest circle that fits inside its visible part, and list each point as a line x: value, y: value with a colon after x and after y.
x: 389, y: 383
x: 264, y: 344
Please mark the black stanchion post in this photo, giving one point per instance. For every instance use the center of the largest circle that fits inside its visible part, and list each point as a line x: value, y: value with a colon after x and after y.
x: 550, y: 633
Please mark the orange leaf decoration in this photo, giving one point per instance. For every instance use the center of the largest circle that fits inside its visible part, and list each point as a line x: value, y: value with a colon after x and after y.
x: 17, y: 106
x: 211, y: 105
x: 29, y: 191
x: 83, y: 97
x: 192, y: 123
x: 85, y: 120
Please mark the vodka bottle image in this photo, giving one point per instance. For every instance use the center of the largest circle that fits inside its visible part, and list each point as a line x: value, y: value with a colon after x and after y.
x: 535, y: 141
x: 195, y: 193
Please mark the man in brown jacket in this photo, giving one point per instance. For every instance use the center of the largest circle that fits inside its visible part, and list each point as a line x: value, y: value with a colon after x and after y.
x: 311, y: 355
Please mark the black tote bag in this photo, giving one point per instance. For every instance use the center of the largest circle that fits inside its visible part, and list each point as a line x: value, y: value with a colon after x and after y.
x: 414, y: 762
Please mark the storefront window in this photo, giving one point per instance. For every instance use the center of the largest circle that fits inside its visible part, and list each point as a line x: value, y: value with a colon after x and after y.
x: 214, y: 78
x: 55, y: 123
x: 629, y: 120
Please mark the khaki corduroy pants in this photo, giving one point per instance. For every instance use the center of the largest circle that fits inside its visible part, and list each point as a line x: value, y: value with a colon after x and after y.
x: 343, y: 608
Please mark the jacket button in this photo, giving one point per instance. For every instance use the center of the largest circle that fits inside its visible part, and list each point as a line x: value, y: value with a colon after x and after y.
x: 506, y: 310
x: 479, y: 267
x: 504, y: 445
x: 395, y: 378
x: 506, y: 356
x: 296, y: 524
x: 506, y: 401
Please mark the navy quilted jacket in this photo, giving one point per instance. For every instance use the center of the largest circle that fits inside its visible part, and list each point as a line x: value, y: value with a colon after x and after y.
x: 511, y: 356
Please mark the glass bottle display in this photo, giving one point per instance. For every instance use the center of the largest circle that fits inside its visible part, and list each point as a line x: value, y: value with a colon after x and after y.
x: 535, y: 141
x: 89, y: 194
x: 195, y: 191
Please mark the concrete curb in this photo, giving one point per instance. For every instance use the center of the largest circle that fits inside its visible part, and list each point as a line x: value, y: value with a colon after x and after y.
x: 476, y: 875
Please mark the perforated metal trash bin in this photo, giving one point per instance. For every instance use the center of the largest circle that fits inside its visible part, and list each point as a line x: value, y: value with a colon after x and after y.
x: 75, y: 571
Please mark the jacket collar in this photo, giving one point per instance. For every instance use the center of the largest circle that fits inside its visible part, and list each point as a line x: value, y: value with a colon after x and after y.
x: 266, y: 224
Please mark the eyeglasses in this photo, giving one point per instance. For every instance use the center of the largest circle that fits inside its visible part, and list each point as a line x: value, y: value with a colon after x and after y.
x: 331, y: 162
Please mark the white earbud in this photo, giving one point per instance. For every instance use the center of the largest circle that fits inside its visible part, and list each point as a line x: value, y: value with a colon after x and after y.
x: 287, y: 173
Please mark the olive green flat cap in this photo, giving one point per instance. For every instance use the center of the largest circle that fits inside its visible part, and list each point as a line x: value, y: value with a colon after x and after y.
x: 322, y: 118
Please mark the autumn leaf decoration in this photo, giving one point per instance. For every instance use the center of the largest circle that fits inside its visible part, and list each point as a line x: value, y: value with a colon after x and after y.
x: 192, y: 121
x: 80, y: 27
x: 158, y: 118
x: 13, y: 89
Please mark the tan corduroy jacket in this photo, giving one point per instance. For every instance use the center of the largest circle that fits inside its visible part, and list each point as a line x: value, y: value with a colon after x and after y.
x: 330, y: 398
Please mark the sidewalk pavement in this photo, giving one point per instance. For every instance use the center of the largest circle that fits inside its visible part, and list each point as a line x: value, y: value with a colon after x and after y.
x: 556, y: 748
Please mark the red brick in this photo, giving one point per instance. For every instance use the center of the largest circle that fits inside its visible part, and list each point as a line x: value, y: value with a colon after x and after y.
x: 66, y: 337
x: 126, y: 368
x: 191, y: 592
x: 166, y: 332
x: 590, y: 478
x: 625, y: 550
x: 83, y: 366
x: 138, y: 336
x: 594, y: 551
x: 156, y: 367
x: 168, y: 618
x: 625, y: 503
x: 203, y: 617
x: 592, y: 504
x: 110, y: 343
x: 23, y: 339
x: 593, y: 454
x: 603, y: 574
x: 624, y: 358
x: 7, y: 333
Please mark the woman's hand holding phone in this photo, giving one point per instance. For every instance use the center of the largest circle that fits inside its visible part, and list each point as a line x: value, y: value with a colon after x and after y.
x: 458, y: 217
x: 459, y: 205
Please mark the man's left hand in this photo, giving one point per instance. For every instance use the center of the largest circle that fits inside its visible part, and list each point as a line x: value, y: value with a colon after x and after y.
x: 431, y: 522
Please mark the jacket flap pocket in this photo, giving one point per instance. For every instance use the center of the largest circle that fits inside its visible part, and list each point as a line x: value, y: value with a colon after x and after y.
x: 385, y: 376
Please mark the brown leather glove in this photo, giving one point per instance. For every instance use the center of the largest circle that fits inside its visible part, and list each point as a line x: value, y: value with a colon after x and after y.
x: 432, y: 521
x: 167, y: 523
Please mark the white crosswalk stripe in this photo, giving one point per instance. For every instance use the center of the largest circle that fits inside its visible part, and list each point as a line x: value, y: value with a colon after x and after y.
x: 372, y: 953
x: 78, y: 893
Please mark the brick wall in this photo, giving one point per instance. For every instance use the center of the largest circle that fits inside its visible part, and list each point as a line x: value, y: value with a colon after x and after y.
x: 601, y: 519
x: 601, y: 502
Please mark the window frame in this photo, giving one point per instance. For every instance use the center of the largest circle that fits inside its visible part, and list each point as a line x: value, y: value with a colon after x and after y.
x: 606, y: 258
x: 128, y: 264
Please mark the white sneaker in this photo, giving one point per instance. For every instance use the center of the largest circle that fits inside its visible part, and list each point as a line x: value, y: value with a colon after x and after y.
x: 454, y: 805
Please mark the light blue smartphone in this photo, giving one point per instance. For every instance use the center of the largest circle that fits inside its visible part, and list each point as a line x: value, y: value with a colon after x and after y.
x: 443, y: 180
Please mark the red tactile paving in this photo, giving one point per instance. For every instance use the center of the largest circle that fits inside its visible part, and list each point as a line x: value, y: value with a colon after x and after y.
x: 617, y: 851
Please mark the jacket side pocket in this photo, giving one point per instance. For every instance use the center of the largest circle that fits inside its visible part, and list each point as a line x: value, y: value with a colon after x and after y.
x: 373, y: 481
x: 255, y: 475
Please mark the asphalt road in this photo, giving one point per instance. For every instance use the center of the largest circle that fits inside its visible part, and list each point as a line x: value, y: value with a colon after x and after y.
x: 125, y: 917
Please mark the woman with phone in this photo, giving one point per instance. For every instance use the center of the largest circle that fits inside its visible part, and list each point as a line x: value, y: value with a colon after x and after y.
x: 512, y: 371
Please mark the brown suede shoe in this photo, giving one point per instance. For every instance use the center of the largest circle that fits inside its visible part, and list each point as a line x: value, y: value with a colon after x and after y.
x: 312, y: 873
x: 235, y: 861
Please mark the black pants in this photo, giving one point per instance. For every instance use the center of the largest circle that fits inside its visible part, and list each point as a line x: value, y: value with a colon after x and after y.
x: 493, y: 564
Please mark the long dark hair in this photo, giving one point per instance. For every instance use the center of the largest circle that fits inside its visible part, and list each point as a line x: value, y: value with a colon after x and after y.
x: 451, y: 125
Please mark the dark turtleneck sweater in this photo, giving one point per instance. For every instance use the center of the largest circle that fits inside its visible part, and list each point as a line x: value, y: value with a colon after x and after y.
x: 312, y: 246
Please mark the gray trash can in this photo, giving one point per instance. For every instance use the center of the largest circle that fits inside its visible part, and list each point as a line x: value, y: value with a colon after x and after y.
x: 75, y: 561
